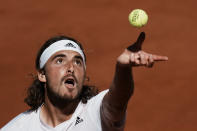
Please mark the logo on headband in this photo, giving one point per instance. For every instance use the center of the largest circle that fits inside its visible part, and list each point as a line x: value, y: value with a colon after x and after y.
x: 69, y: 45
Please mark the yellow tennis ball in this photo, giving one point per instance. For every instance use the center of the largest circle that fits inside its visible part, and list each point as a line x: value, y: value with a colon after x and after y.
x: 138, y: 18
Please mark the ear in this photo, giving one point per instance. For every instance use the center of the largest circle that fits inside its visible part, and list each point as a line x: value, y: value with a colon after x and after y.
x: 41, y: 76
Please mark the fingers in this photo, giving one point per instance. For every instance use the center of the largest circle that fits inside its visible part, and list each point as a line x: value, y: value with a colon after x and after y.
x: 142, y: 58
x: 137, y: 46
x: 151, y: 61
x: 160, y: 58
x: 135, y: 59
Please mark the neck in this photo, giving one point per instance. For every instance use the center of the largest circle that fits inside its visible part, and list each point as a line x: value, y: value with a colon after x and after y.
x: 53, y: 115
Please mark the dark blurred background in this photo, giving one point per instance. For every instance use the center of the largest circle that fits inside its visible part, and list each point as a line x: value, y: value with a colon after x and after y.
x: 165, y: 96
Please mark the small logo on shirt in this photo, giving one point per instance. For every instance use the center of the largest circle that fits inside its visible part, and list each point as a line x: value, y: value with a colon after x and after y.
x: 79, y: 120
x: 69, y: 45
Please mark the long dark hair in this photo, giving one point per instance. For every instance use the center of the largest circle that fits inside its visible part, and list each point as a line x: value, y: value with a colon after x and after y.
x: 36, y: 91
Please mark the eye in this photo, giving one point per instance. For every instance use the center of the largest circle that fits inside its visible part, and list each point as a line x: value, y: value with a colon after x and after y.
x: 78, y: 62
x: 59, y: 60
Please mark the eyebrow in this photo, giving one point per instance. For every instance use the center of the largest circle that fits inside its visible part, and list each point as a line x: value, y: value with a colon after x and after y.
x: 59, y: 55
x: 78, y: 57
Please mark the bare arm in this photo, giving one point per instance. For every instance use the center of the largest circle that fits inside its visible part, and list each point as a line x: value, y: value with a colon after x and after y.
x: 115, y: 101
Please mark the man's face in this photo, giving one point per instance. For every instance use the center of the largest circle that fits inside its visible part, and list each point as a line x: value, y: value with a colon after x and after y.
x: 65, y: 74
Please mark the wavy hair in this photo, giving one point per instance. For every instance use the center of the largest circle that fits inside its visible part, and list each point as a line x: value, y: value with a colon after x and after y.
x: 36, y: 91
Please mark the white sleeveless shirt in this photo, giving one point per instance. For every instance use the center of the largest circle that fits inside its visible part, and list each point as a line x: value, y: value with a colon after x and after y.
x: 85, y: 118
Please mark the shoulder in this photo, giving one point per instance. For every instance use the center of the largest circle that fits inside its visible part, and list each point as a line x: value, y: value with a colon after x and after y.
x: 93, y: 105
x: 97, y: 100
x: 99, y: 96
x: 19, y: 121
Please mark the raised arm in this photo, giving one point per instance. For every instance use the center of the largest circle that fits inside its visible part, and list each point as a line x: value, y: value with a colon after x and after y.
x: 115, y: 102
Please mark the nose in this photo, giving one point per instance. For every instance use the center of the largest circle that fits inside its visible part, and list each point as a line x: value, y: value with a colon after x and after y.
x: 70, y: 68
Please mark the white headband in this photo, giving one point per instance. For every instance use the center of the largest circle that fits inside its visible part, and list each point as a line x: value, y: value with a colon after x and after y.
x: 59, y: 46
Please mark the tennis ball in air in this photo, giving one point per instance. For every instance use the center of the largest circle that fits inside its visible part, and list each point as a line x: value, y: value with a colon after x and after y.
x: 138, y: 18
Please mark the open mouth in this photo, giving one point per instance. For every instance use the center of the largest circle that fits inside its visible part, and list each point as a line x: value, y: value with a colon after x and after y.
x: 70, y: 82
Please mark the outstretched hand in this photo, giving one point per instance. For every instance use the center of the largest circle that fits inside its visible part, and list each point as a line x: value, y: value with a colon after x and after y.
x: 135, y: 56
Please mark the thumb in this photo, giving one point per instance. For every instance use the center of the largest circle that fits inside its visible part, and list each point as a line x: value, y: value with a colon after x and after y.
x: 137, y: 46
